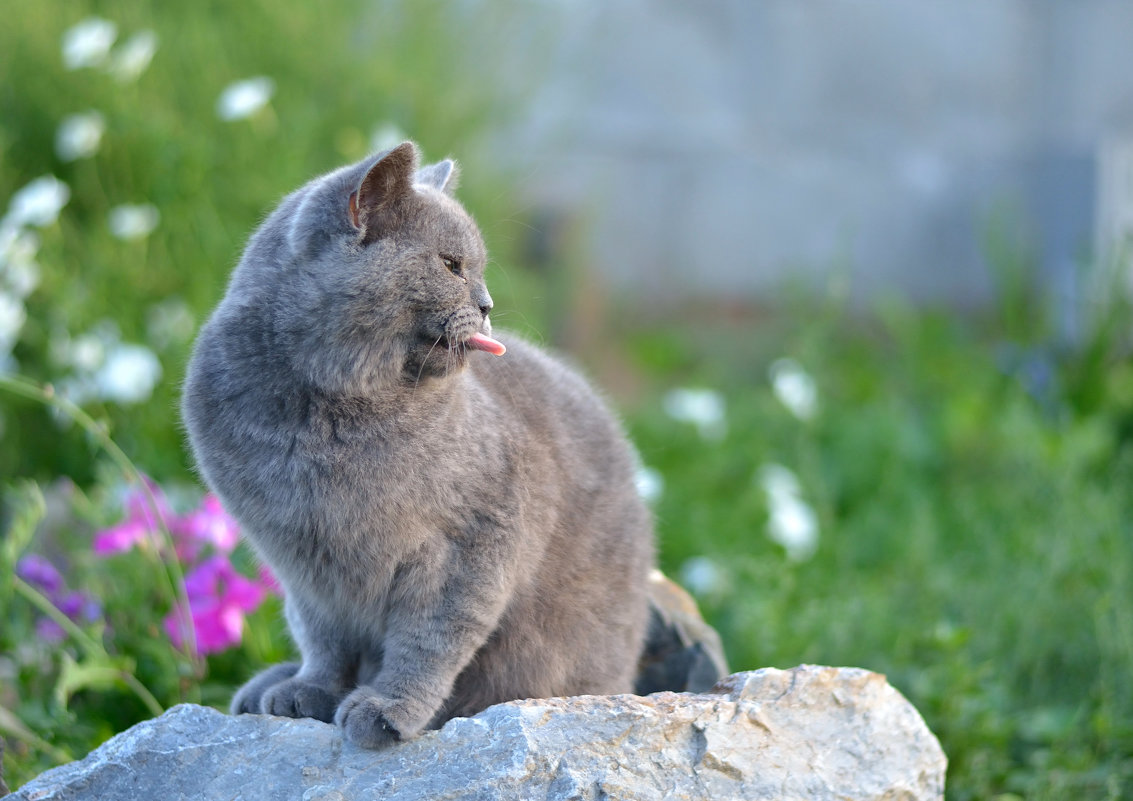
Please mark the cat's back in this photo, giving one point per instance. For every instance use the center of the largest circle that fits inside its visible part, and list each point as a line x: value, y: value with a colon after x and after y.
x: 552, y: 397
x: 573, y: 454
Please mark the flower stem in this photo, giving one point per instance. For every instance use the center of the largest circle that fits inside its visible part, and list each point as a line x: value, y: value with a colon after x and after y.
x: 143, y: 693
x: 37, y: 599
x: 91, y: 647
x: 171, y: 568
x: 12, y: 726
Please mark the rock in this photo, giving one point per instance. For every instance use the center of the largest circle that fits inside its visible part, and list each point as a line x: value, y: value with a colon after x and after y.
x: 806, y: 733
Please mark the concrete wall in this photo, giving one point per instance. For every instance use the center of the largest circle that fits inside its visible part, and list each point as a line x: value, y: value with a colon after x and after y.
x: 719, y: 146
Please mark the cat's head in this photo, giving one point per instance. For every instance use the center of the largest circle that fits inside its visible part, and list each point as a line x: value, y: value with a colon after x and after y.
x: 383, y: 275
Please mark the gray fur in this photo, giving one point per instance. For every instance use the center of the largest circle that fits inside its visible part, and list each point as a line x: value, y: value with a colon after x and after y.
x: 452, y: 528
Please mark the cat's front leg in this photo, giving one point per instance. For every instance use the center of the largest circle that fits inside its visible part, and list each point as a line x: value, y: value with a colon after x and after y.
x: 328, y: 671
x: 442, y: 617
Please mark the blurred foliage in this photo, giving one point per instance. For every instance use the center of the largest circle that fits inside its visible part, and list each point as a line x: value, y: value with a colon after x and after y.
x: 974, y: 524
x: 340, y: 74
x: 66, y: 685
x: 967, y: 475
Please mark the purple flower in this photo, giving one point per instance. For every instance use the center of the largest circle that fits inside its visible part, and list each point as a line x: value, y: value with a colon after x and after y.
x: 80, y: 607
x: 218, y: 599
x: 143, y: 521
x: 39, y: 572
x: 49, y: 631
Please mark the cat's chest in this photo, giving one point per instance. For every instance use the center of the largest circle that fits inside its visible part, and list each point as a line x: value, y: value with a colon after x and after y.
x: 376, y: 453
x: 358, y: 485
x: 380, y: 473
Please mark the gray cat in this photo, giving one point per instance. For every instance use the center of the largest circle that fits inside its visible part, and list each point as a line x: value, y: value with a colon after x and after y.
x: 453, y: 526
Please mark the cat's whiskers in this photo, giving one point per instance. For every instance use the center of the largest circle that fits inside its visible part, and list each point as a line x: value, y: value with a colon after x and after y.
x: 421, y: 369
x: 457, y: 352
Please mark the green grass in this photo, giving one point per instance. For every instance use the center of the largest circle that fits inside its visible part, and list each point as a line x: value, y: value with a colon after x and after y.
x: 969, y: 478
x: 338, y: 77
x: 974, y: 537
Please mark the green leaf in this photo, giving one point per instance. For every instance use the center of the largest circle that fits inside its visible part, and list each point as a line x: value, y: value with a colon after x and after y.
x: 24, y: 508
x: 12, y: 726
x: 93, y: 673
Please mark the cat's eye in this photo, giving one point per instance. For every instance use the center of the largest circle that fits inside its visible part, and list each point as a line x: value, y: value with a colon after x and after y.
x: 454, y: 266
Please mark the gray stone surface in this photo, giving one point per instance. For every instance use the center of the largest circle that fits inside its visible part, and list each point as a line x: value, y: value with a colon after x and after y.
x: 807, y: 733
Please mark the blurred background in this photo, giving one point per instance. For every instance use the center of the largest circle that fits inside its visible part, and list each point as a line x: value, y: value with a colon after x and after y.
x: 855, y: 275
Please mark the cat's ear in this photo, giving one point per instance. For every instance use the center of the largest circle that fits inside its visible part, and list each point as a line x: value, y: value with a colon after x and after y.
x: 389, y: 179
x: 441, y: 176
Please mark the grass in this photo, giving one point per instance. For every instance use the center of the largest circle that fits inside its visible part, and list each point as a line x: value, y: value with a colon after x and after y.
x: 968, y: 474
x: 974, y: 532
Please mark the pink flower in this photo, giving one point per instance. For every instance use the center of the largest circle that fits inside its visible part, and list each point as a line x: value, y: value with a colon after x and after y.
x: 121, y: 537
x: 144, y: 520
x: 269, y: 582
x: 209, y: 523
x: 218, y: 599
x: 218, y: 596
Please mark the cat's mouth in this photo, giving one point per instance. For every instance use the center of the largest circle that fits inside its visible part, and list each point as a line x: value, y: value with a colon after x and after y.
x: 476, y: 341
x: 485, y: 343
x: 465, y: 330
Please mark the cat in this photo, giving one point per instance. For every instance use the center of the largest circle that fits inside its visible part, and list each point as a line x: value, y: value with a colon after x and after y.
x: 452, y: 514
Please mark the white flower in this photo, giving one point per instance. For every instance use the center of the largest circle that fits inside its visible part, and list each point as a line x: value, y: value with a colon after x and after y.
x: 791, y: 522
x: 18, y: 267
x: 87, y: 43
x: 703, y: 577
x: 386, y: 136
x: 704, y: 408
x: 133, y: 56
x: 244, y: 98
x: 38, y: 203
x: 170, y: 322
x: 133, y: 222
x: 79, y: 135
x: 9, y: 234
x: 87, y: 352
x: 12, y: 317
x: 794, y: 388
x: 22, y: 277
x: 129, y: 374
x: 649, y: 483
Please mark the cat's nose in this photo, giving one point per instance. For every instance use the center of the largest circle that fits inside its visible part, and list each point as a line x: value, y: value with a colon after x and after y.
x: 484, y: 301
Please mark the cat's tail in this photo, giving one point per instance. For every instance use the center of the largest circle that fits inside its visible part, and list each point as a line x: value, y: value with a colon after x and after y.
x: 682, y: 653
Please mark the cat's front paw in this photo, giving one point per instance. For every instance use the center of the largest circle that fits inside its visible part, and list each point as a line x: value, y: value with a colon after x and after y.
x: 296, y: 698
x: 371, y: 720
x: 248, y: 698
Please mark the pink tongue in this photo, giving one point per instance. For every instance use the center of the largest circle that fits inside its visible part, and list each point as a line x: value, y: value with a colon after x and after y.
x: 481, y: 342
